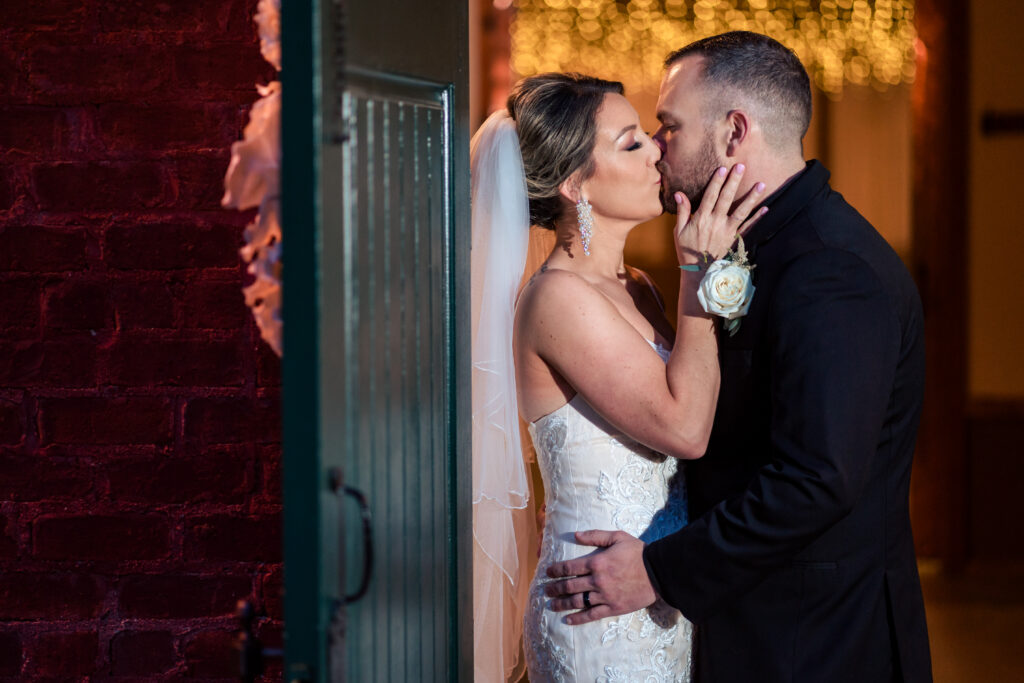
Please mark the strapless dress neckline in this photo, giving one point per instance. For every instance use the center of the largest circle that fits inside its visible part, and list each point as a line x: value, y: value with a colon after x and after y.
x: 659, y: 348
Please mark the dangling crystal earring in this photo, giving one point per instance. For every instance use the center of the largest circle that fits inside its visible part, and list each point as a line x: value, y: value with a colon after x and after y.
x: 586, y: 222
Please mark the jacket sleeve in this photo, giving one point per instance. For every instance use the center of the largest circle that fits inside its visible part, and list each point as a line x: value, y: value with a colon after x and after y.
x: 834, y: 345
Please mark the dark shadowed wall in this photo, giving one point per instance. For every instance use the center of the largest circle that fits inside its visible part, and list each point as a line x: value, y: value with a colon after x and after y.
x: 139, y: 420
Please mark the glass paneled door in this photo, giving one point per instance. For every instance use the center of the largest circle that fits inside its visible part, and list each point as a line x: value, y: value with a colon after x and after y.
x: 375, y: 198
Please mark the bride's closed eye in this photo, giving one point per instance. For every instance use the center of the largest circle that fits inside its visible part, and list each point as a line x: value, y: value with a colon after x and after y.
x: 638, y: 141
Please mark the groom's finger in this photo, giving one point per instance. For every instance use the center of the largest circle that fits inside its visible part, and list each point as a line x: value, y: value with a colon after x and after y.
x: 565, y: 604
x: 576, y: 567
x: 586, y: 616
x: 571, y: 602
x: 601, y: 539
x: 555, y: 589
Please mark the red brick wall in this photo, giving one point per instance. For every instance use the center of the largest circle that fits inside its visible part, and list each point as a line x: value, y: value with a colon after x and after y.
x: 139, y: 420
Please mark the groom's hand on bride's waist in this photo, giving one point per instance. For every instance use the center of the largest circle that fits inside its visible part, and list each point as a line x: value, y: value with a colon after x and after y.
x: 611, y: 581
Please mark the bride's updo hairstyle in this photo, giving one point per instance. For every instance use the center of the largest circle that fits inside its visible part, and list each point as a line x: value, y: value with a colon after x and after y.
x: 556, y: 119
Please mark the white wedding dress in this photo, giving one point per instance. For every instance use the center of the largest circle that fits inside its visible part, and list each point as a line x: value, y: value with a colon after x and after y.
x: 597, y: 478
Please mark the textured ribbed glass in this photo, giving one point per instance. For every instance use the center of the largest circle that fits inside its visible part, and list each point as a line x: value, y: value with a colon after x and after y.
x: 396, y: 302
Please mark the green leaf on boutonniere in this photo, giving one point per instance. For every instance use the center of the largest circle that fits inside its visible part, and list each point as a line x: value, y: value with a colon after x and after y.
x: 731, y: 326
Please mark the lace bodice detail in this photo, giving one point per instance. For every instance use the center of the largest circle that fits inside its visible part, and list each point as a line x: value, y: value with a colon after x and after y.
x: 597, y: 478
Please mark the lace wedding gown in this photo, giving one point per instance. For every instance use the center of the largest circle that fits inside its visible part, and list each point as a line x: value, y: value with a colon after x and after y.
x: 597, y: 478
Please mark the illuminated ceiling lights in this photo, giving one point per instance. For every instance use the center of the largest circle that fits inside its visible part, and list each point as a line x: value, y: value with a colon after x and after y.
x: 839, y: 41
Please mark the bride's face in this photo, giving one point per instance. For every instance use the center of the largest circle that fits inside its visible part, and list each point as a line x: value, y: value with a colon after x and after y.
x: 625, y: 183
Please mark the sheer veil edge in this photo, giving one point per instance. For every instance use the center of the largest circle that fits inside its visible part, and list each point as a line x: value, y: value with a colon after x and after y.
x: 504, y: 526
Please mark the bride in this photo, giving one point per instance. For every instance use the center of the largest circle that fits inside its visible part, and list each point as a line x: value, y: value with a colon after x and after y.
x: 612, y: 396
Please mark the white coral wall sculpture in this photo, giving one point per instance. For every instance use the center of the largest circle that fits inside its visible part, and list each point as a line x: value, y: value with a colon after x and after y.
x: 253, y: 180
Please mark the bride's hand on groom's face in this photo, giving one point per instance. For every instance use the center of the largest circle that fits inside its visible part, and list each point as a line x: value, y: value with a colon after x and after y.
x: 715, y: 225
x: 614, y: 579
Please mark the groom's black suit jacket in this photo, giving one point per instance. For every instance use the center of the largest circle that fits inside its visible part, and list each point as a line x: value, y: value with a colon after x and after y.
x: 798, y: 565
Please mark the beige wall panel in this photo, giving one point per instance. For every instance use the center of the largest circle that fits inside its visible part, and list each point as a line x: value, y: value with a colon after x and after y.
x: 996, y: 336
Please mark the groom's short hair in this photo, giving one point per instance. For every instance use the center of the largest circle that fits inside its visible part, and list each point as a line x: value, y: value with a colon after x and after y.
x: 761, y: 70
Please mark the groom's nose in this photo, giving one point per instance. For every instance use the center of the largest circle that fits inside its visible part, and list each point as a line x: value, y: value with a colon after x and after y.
x: 659, y: 141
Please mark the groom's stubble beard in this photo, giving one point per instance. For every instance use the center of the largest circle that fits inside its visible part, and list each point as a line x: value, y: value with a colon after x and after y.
x: 693, y: 178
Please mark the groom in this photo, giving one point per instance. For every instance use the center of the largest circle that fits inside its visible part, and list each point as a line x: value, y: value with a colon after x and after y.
x: 798, y: 564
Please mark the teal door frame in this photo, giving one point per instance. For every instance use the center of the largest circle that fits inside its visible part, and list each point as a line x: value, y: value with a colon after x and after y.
x: 307, y: 613
x: 323, y: 42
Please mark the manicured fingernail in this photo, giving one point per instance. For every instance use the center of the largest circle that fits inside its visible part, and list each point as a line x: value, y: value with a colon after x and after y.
x: 759, y: 187
x: 722, y: 170
x: 764, y: 210
x: 740, y: 168
x: 678, y: 196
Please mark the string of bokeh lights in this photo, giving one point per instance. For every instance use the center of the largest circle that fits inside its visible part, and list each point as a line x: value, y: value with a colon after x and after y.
x: 839, y: 41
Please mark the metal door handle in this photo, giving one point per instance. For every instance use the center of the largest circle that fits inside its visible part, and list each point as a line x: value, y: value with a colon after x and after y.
x: 364, y: 515
x: 251, y: 650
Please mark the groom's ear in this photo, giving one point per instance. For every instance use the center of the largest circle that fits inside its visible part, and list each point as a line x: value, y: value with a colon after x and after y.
x: 737, y: 129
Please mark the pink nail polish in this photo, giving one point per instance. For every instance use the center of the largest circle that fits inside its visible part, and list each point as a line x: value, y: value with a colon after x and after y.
x: 722, y: 170
x: 740, y: 168
x: 760, y: 187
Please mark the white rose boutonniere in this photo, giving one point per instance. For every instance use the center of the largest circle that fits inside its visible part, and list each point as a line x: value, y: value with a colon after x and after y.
x: 727, y: 290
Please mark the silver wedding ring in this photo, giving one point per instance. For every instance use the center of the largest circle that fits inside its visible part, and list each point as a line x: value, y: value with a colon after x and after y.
x: 586, y: 600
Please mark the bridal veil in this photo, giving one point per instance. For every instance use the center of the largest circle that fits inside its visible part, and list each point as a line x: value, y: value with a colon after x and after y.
x: 504, y: 527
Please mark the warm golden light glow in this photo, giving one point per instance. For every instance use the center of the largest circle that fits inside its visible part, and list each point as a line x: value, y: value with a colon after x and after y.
x: 839, y: 41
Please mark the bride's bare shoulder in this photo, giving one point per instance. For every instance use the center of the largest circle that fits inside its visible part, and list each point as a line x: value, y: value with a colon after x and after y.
x: 555, y: 296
